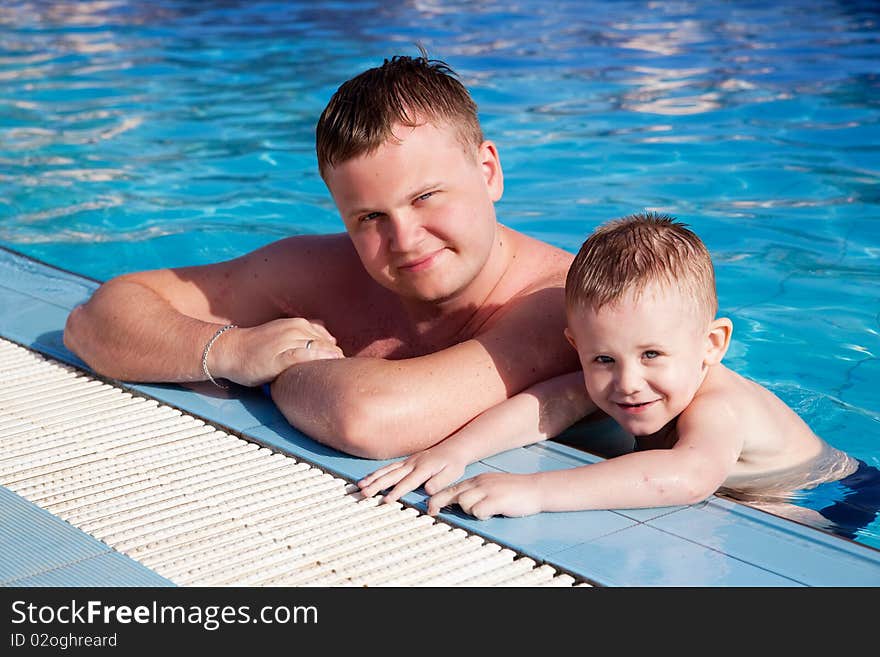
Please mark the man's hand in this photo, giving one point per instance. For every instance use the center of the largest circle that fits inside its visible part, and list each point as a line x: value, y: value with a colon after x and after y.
x: 491, y: 494
x: 257, y: 355
x: 436, y: 468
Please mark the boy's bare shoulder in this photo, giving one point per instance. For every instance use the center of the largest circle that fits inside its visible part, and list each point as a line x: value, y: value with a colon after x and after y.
x: 723, y: 390
x: 773, y: 435
x: 727, y: 402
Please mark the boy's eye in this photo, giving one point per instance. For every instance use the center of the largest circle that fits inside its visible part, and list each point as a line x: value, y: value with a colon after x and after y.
x: 425, y: 196
x: 651, y: 354
x: 604, y: 359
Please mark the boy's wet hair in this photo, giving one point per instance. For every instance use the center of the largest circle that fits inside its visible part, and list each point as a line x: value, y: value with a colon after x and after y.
x: 408, y: 91
x: 625, y: 255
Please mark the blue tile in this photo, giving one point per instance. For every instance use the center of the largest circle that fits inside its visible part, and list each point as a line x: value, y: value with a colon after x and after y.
x: 282, y: 436
x: 110, y: 569
x: 544, y: 535
x: 36, y: 324
x: 764, y: 540
x: 570, y: 456
x: 646, y: 556
x: 33, y: 541
x: 649, y: 513
x: 24, y: 318
x: 44, y: 282
x: 524, y: 460
x: 238, y: 408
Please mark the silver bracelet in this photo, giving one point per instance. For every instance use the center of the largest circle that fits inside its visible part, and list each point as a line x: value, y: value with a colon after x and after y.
x: 208, y: 348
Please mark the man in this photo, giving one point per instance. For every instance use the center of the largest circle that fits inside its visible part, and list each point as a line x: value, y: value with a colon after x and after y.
x: 382, y: 340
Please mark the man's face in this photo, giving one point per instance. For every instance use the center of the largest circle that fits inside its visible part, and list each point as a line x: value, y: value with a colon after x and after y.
x: 643, y: 359
x: 420, y: 211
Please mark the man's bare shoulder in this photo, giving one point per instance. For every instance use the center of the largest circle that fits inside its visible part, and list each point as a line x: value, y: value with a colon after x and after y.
x: 538, y: 264
x: 295, y: 250
x: 307, y: 274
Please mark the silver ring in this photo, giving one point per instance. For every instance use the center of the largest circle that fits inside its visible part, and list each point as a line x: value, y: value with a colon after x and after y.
x: 309, y: 344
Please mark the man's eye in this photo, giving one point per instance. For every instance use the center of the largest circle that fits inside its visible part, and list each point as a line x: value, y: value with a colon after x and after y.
x: 371, y: 215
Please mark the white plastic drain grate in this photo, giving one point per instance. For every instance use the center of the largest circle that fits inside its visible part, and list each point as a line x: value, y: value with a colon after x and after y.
x: 202, y: 507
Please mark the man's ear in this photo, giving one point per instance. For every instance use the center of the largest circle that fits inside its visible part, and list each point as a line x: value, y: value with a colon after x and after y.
x: 570, y: 338
x: 718, y: 340
x: 490, y: 164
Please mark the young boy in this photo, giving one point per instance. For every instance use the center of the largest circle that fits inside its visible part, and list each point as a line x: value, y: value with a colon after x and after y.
x: 641, y: 305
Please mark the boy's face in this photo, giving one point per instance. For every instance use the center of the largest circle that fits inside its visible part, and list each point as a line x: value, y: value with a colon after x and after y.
x: 420, y: 212
x: 643, y: 359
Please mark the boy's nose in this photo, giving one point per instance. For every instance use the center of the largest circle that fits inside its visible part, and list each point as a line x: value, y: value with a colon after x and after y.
x: 629, y: 380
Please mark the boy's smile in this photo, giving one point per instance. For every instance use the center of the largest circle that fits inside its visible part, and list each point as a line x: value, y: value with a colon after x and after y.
x: 642, y: 357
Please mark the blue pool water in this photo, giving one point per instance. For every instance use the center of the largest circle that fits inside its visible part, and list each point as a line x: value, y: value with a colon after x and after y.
x: 137, y: 135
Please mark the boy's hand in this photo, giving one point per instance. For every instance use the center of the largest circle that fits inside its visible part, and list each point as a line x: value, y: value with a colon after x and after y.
x: 491, y: 494
x: 436, y: 467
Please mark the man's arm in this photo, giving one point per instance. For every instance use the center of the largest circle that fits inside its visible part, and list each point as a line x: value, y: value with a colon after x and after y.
x: 154, y: 325
x: 380, y: 408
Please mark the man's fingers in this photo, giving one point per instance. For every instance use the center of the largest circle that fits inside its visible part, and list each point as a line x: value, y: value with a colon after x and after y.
x: 321, y: 349
x: 316, y: 351
x: 321, y: 332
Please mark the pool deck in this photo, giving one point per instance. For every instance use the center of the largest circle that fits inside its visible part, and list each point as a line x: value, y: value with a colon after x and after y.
x: 716, y: 543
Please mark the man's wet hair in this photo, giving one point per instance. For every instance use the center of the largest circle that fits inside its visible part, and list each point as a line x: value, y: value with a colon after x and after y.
x: 408, y: 91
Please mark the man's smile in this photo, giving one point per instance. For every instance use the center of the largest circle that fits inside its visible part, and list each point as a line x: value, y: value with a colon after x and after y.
x: 419, y: 263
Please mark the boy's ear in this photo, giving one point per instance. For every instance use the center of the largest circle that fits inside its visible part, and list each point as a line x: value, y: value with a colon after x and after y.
x: 490, y: 164
x: 570, y: 338
x: 718, y: 341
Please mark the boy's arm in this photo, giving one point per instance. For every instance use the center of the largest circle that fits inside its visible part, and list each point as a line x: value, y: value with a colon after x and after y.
x: 540, y: 412
x: 705, y: 453
x: 377, y: 408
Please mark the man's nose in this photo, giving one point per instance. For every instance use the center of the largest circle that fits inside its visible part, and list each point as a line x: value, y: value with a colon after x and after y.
x: 404, y: 232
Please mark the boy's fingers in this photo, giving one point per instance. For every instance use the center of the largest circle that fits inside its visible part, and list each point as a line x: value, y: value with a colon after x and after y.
x: 406, y: 485
x: 482, y: 510
x: 385, y: 481
x: 366, y: 481
x: 444, y: 498
x: 439, y: 481
x: 469, y: 499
